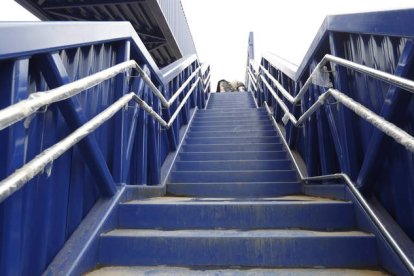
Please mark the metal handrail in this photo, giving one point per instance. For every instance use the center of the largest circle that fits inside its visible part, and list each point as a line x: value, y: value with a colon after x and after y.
x: 406, y: 260
x: 37, y: 165
x: 399, y: 135
x: 35, y: 101
x: 403, y: 83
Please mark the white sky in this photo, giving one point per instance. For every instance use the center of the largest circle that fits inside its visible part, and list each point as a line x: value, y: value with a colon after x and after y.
x: 220, y: 28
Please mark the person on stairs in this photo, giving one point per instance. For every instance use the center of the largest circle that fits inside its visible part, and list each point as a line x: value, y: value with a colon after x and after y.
x: 234, y: 86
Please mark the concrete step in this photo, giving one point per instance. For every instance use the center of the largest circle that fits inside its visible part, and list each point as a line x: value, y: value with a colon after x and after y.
x: 231, y: 176
x: 239, y: 165
x: 235, y: 189
x: 230, y: 109
x: 229, y: 213
x: 233, y: 128
x: 231, y: 116
x: 257, y: 248
x: 218, y: 134
x: 225, y: 106
x: 232, y: 140
x: 232, y: 147
x: 232, y: 123
x: 233, y: 119
x: 234, y: 271
x: 220, y: 156
x: 206, y: 112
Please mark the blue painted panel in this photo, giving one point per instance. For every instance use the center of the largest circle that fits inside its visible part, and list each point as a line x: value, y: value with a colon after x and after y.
x: 376, y: 40
x: 51, y: 206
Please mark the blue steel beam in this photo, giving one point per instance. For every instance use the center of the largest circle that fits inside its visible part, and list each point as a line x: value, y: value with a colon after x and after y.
x: 67, y: 5
x: 27, y: 39
x: 348, y: 154
x: 121, y: 86
x: 132, y: 134
x: 56, y: 75
x: 395, y: 101
x: 16, y: 86
x: 374, y: 23
x: 326, y: 152
x: 154, y: 165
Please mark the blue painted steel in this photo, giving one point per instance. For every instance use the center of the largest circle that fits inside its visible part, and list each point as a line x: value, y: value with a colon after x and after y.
x: 55, y: 75
x: 15, y: 85
x: 334, y: 139
x: 161, y: 25
x: 130, y: 148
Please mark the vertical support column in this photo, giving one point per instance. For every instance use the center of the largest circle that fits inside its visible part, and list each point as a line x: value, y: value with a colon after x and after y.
x: 15, y: 85
x: 311, y: 137
x: 153, y: 150
x: 349, y: 157
x: 132, y: 132
x: 121, y: 86
x: 327, y: 153
x: 141, y: 143
x: 166, y: 113
x: 291, y: 130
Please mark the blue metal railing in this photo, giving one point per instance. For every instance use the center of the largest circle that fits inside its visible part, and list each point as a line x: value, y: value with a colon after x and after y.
x: 129, y: 148
x: 335, y: 139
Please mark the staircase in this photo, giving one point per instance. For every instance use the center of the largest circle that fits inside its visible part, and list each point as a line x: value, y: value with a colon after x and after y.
x: 234, y: 206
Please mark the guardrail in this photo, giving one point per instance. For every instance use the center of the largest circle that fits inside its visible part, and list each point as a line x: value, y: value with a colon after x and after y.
x: 399, y: 135
x: 67, y: 84
x: 353, y: 73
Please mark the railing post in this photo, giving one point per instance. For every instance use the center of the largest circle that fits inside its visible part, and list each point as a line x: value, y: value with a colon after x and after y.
x: 328, y: 160
x: 311, y: 136
x: 153, y: 153
x: 172, y: 141
x: 137, y: 86
x: 56, y: 75
x: 141, y: 150
x: 121, y: 86
x: 349, y: 154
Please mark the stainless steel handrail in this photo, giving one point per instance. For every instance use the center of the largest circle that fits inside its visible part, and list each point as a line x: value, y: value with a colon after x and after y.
x: 37, y: 165
x: 403, y: 83
x: 399, y: 135
x: 406, y: 260
x: 31, y: 105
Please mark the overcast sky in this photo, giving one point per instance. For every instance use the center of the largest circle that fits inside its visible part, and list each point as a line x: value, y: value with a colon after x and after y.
x: 220, y: 28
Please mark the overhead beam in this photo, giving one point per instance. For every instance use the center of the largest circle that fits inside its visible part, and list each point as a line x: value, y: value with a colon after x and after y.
x: 66, y: 5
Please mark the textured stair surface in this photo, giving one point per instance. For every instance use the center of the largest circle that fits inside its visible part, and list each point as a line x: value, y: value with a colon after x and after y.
x: 235, y: 207
x: 262, y: 248
x: 208, y: 271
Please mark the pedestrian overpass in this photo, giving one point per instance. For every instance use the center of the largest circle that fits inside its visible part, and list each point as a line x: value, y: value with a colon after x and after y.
x: 118, y: 159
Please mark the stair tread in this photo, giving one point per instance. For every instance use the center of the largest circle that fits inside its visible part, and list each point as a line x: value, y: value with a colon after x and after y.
x: 233, y: 161
x: 244, y: 171
x: 231, y: 271
x: 294, y: 199
x: 236, y: 182
x: 225, y: 233
x: 239, y: 144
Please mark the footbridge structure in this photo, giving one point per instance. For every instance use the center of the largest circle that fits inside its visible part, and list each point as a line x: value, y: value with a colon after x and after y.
x: 118, y: 159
